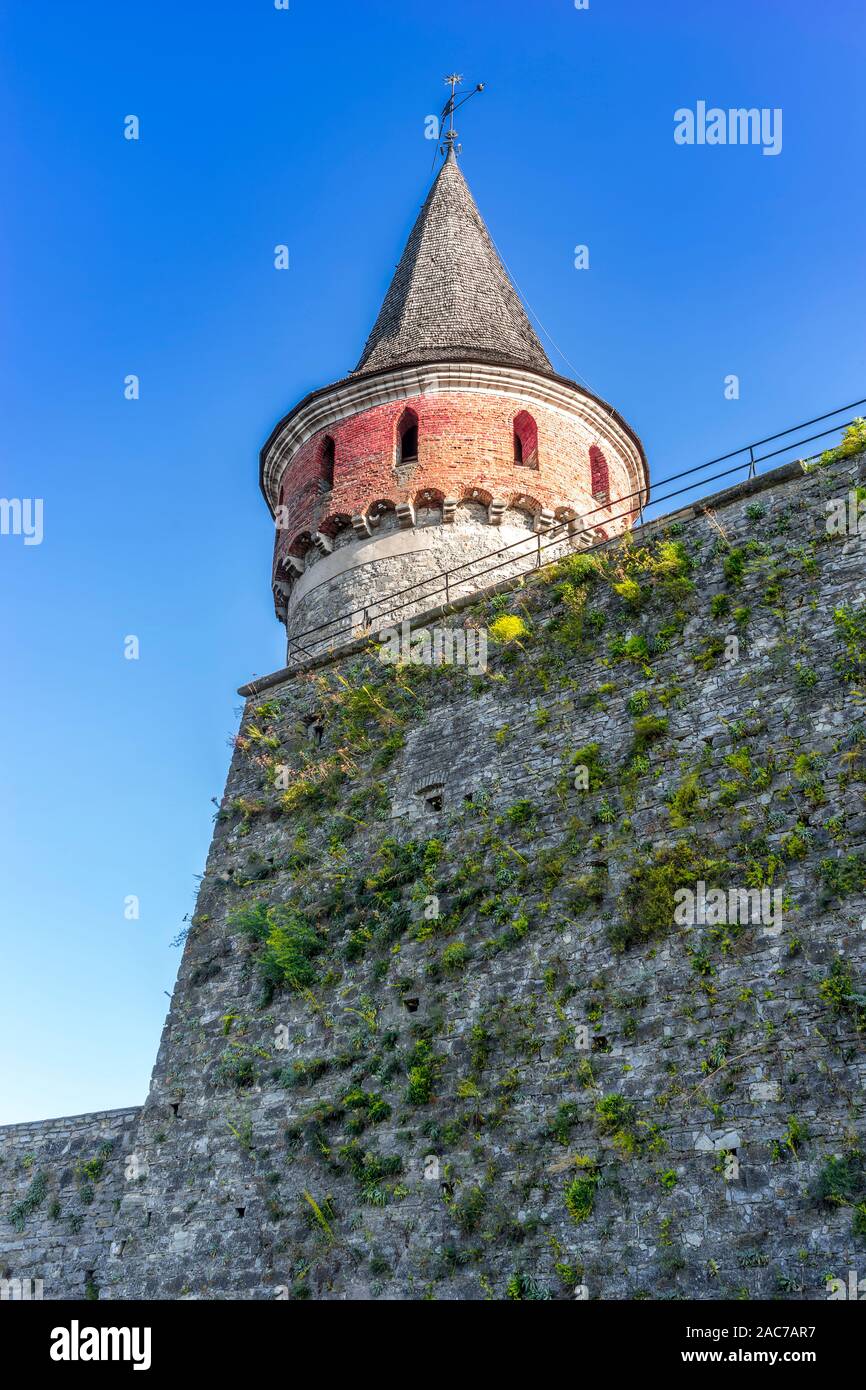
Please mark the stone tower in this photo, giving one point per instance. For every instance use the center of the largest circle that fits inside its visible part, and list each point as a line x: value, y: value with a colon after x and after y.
x: 452, y: 439
x: 438, y: 1032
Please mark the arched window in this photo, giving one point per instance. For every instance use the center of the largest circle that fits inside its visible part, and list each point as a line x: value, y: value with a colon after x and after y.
x: 326, y: 472
x: 525, y: 440
x: 407, y: 437
x: 599, y: 475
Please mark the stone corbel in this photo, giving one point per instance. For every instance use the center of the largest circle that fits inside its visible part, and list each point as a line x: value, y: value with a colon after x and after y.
x: 574, y: 524
x: 495, y: 510
x: 281, y: 600
x: 361, y: 526
x: 405, y: 515
x: 449, y: 507
x: 323, y: 543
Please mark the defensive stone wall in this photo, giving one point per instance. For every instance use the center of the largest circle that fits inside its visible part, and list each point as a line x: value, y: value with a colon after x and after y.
x: 60, y: 1187
x: 444, y: 1025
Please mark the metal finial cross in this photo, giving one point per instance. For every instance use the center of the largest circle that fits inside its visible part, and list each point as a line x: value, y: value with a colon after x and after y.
x: 453, y: 81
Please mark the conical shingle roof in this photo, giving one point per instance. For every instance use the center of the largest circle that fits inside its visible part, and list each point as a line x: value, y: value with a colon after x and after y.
x: 451, y: 297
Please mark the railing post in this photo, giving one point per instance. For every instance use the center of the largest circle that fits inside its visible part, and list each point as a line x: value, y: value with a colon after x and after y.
x: 752, y: 470
x: 447, y: 598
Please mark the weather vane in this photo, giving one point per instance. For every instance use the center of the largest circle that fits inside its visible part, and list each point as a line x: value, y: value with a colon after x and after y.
x: 452, y: 105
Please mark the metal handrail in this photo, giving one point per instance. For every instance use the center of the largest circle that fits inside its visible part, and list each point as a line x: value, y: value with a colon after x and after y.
x: 541, y: 541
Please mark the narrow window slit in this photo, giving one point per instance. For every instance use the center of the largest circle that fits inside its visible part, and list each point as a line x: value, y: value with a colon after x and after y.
x: 326, y: 471
x: 407, y: 437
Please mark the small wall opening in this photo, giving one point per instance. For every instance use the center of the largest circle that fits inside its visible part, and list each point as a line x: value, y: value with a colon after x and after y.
x: 301, y: 545
x: 525, y: 440
x: 433, y: 797
x: 313, y: 727
x: 428, y: 506
x: 407, y: 437
x: 382, y: 513
x: 326, y: 468
x: 599, y: 475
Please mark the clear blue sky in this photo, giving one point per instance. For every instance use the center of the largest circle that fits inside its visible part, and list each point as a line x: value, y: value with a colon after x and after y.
x: 261, y: 127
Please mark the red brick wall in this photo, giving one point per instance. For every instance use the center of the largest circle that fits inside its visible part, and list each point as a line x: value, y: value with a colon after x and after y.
x: 465, y: 441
